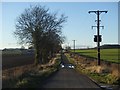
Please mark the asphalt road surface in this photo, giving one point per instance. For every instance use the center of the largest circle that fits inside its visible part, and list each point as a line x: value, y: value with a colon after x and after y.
x: 68, y: 78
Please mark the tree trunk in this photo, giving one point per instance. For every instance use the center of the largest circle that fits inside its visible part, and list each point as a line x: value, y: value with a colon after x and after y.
x: 40, y: 59
x: 45, y: 56
x: 37, y: 56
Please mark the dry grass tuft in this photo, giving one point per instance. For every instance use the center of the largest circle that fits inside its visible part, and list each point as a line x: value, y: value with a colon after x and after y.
x: 98, y: 69
x: 11, y: 76
x: 105, y: 73
x: 16, y: 71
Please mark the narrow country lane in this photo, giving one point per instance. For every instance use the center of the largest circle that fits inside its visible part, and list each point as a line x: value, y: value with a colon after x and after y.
x: 68, y: 78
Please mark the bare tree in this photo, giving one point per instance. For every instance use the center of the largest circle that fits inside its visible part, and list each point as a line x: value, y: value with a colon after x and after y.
x: 35, y: 27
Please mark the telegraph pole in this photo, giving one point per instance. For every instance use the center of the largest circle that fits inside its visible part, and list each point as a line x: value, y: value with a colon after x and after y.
x: 74, y: 45
x: 98, y: 29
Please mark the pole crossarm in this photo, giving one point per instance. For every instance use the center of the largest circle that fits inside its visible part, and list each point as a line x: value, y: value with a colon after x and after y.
x: 97, y: 20
x: 93, y: 27
x: 99, y: 26
x: 97, y: 12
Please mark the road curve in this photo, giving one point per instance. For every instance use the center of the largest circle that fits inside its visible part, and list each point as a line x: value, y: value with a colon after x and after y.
x: 68, y: 78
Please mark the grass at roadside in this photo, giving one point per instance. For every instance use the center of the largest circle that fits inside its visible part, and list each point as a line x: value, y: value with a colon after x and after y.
x: 31, y: 78
x: 34, y: 80
x: 105, y: 78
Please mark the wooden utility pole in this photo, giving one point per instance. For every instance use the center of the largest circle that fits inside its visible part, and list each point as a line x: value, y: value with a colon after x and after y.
x: 98, y: 29
x: 74, y: 45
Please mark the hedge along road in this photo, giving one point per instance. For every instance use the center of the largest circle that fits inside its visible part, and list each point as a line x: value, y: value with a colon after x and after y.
x: 15, y: 61
x: 68, y: 78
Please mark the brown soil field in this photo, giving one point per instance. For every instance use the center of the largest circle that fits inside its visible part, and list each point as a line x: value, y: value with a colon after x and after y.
x: 14, y: 61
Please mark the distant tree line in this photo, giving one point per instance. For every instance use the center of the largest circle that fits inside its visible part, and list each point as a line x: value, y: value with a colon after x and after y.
x: 41, y: 29
x: 110, y: 46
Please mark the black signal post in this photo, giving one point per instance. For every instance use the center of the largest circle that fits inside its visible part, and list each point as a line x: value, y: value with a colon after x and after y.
x: 98, y: 29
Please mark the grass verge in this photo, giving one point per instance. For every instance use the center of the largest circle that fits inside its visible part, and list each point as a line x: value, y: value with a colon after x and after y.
x: 32, y: 78
x: 35, y: 79
x: 91, y: 71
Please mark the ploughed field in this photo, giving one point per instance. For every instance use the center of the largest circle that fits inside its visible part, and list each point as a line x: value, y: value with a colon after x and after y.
x: 111, y: 55
x: 11, y: 61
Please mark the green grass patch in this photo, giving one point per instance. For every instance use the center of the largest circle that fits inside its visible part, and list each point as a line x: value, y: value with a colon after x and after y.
x: 111, y: 55
x: 104, y: 78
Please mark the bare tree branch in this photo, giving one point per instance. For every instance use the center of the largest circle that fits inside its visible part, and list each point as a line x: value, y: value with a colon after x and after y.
x: 37, y: 26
